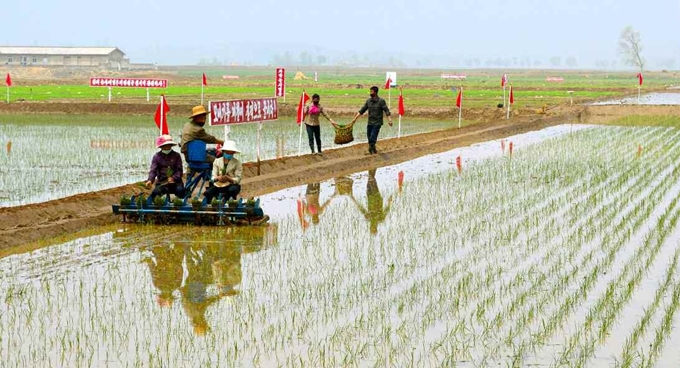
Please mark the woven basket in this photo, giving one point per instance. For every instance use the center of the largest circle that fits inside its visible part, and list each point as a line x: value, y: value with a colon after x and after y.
x: 343, y: 133
x: 343, y: 185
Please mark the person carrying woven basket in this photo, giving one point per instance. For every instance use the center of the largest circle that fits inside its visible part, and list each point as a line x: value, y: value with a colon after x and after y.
x: 375, y: 106
x: 312, y: 124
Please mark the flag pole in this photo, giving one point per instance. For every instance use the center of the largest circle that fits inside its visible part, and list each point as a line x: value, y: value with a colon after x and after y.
x: 202, y: 89
x: 460, y: 109
x: 638, y: 94
x: 399, y: 130
x: 302, y: 103
x: 503, y: 94
x: 7, y: 94
x: 507, y: 117
x: 162, y: 116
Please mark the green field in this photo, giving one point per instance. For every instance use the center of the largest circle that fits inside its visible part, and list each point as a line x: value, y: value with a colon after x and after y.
x: 349, y: 88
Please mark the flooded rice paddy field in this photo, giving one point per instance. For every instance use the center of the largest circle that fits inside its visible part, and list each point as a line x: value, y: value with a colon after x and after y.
x: 41, y: 162
x: 669, y: 98
x: 564, y: 253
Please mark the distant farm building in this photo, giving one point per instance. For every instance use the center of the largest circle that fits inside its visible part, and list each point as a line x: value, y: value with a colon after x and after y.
x: 93, y: 57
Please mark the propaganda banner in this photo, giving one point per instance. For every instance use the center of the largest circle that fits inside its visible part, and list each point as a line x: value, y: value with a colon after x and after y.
x: 280, y: 82
x: 243, y: 111
x: 129, y: 82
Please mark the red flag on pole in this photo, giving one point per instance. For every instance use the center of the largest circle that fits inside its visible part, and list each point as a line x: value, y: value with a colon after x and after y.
x: 401, y: 103
x: 388, y: 83
x: 205, y: 80
x: 504, y: 80
x: 301, y: 107
x: 512, y: 96
x: 640, y: 80
x: 459, y: 99
x: 8, y: 80
x: 161, y: 118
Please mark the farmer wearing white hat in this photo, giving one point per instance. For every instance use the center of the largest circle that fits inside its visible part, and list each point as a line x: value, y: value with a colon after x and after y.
x: 194, y: 130
x: 166, y: 169
x: 226, y: 174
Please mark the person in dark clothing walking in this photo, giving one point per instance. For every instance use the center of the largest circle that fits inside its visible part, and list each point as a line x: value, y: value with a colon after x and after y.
x: 312, y: 124
x: 375, y: 106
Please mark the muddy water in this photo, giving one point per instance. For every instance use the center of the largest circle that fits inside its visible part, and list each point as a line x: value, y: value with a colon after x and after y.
x: 646, y: 99
x: 349, y: 272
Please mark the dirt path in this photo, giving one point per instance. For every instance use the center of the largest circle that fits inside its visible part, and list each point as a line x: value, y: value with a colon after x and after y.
x: 24, y: 224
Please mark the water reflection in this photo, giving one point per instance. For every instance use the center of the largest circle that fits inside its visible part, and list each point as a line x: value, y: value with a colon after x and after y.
x: 208, y: 264
x: 204, y: 268
x: 375, y: 211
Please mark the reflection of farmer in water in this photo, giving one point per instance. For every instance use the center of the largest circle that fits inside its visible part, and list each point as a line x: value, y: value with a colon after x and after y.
x: 207, y: 263
x: 310, y: 206
x: 205, y: 269
x: 166, y: 271
x: 375, y: 213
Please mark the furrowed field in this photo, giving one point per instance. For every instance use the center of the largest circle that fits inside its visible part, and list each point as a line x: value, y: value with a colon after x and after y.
x: 563, y: 253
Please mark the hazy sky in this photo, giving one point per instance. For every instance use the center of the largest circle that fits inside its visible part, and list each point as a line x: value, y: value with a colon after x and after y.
x: 175, y: 32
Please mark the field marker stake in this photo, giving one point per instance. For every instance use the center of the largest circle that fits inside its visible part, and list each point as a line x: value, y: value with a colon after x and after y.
x: 259, y: 128
x: 460, y: 109
x: 399, y: 129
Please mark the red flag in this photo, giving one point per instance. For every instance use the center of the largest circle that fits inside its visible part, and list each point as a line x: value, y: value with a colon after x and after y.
x: 459, y: 99
x: 639, y: 79
x: 301, y: 107
x: 205, y: 80
x: 8, y: 80
x: 512, y: 96
x: 504, y: 80
x: 388, y: 83
x: 164, y: 118
x: 401, y: 103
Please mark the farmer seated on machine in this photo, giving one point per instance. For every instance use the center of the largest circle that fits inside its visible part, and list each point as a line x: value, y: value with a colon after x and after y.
x: 194, y: 130
x: 226, y: 174
x: 166, y: 169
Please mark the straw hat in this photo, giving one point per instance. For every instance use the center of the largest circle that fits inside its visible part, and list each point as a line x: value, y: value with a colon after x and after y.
x: 198, y: 110
x: 230, y: 146
x: 164, y: 140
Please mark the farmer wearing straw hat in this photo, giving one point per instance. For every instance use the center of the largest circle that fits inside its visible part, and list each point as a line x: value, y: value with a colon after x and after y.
x: 166, y: 169
x: 226, y: 174
x: 194, y: 130
x: 375, y: 106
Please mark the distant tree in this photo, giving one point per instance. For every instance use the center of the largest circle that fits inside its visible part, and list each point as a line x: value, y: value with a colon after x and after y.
x: 287, y: 58
x: 571, y: 62
x: 305, y: 58
x: 630, y: 48
x: 321, y: 60
x: 602, y: 64
x: 556, y: 61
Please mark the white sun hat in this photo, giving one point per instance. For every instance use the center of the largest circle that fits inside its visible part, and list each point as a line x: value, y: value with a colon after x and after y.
x: 230, y: 146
